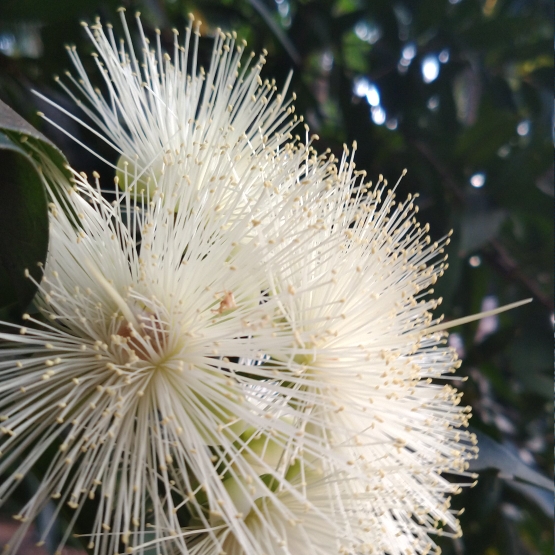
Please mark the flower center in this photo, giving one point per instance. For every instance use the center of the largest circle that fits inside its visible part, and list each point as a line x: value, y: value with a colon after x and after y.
x: 146, y: 342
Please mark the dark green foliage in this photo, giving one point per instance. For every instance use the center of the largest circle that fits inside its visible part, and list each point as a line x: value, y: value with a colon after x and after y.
x: 24, y: 237
x: 489, y: 111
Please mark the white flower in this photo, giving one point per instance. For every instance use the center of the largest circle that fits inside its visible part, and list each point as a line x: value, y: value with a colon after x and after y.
x: 372, y: 371
x: 140, y: 371
x: 156, y: 109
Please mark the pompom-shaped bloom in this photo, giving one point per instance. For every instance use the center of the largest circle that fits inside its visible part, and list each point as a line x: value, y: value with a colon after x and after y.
x: 142, y: 368
x: 156, y: 109
x: 369, y: 364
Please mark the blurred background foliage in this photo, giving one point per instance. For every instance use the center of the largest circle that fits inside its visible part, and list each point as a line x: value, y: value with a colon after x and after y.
x: 459, y: 92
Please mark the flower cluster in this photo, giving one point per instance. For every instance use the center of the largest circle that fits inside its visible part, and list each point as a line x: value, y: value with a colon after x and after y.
x: 234, y: 350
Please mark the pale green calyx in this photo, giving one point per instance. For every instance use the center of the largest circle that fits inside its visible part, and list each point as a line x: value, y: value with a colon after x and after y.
x: 139, y: 177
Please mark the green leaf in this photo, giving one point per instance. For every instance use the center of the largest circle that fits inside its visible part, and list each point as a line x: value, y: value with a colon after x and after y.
x: 23, y: 209
x: 13, y: 125
x: 24, y: 217
x: 493, y: 455
x: 539, y: 496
